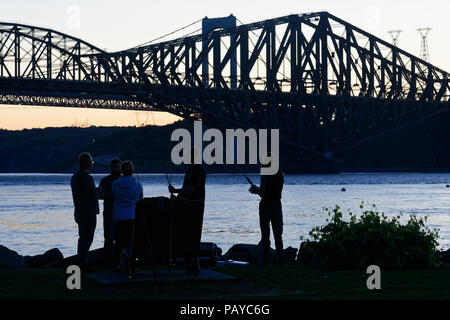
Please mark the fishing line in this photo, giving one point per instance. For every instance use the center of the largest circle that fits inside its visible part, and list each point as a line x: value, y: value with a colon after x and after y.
x: 134, y: 158
x: 246, y: 177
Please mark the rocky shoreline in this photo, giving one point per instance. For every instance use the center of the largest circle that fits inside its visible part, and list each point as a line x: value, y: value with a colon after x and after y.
x: 10, y: 259
x: 210, y: 254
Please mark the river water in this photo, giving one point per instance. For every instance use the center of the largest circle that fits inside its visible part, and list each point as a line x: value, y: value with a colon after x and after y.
x: 36, y: 210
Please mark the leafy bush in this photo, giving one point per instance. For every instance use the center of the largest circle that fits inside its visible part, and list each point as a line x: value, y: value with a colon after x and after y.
x: 373, y: 239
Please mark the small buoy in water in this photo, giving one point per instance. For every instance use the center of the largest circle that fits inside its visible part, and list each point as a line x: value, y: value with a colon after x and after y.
x: 343, y: 190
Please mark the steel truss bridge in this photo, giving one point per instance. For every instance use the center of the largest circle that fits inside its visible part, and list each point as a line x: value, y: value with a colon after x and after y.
x: 326, y: 84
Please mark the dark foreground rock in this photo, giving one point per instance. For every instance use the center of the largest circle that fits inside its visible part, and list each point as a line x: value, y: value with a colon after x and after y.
x: 290, y: 254
x: 209, y: 249
x: 254, y: 254
x: 96, y: 259
x: 307, y: 256
x: 444, y: 256
x: 10, y: 259
x: 42, y: 260
x: 248, y: 253
x: 209, y: 253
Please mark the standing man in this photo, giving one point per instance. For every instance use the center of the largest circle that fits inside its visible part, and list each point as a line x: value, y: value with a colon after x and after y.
x: 85, y: 199
x: 270, y: 212
x: 108, y: 206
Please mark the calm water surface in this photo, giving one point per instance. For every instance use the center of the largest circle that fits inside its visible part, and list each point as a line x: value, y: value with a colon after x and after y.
x: 36, y: 211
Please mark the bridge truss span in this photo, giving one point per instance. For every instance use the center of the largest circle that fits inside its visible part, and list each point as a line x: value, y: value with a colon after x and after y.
x: 326, y: 84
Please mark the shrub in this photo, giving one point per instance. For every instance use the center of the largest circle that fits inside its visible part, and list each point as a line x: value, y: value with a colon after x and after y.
x: 373, y: 239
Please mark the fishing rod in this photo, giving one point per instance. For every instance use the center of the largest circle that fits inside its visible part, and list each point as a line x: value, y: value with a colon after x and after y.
x: 130, y: 264
x: 168, y: 179
x: 171, y: 262
x: 246, y: 177
x: 134, y: 158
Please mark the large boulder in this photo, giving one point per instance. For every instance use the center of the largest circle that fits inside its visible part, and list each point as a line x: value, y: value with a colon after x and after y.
x: 42, y: 260
x: 254, y: 254
x: 306, y: 255
x: 209, y: 253
x: 444, y: 256
x: 248, y: 253
x: 96, y: 259
x: 10, y: 259
x: 290, y: 255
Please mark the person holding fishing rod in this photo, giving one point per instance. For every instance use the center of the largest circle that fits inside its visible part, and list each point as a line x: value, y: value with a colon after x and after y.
x: 192, y: 200
x: 270, y: 212
x: 126, y: 191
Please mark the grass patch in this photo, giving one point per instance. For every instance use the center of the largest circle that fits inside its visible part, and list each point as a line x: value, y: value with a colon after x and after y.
x: 296, y: 282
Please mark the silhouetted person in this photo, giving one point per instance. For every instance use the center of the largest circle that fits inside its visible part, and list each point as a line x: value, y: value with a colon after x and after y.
x: 85, y: 199
x: 270, y: 212
x: 126, y: 190
x: 108, y: 205
x: 193, y: 191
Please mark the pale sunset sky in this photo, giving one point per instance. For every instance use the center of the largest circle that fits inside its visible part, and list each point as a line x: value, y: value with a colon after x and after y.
x: 116, y: 25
